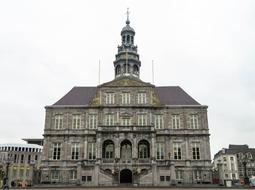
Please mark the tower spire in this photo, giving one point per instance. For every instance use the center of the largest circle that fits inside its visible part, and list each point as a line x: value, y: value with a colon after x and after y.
x: 127, y: 22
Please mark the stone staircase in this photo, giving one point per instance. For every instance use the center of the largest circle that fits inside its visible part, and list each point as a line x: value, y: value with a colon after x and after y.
x: 145, y: 178
x: 105, y: 178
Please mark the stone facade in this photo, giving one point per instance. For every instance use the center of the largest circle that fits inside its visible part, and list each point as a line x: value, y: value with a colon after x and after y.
x: 126, y: 131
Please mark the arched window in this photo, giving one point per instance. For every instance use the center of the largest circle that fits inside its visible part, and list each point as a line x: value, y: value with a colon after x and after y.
x: 123, y: 39
x: 135, y: 70
x: 125, y: 68
x: 108, y: 149
x: 132, y: 39
x: 126, y: 150
x: 128, y: 38
x: 144, y: 149
x: 128, y: 68
x: 117, y: 70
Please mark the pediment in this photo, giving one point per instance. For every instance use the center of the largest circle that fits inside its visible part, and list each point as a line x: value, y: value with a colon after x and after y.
x: 126, y: 82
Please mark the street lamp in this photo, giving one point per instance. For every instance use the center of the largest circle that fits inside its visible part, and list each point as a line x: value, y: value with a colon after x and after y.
x: 246, y: 179
x: 7, y: 160
x: 244, y: 161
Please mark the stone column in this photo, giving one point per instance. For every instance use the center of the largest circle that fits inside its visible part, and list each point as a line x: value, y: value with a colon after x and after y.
x: 172, y: 173
x: 117, y: 121
x: 85, y: 148
x: 96, y: 174
x: 117, y: 148
x: 135, y: 149
x: 187, y: 148
x: 79, y: 172
x: 154, y: 173
x: 31, y: 173
x: 153, y: 146
x: 10, y: 174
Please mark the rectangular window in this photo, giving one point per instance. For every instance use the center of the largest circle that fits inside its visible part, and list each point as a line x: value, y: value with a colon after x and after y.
x: 56, y: 151
x: 27, y: 172
x: 196, y: 151
x: 125, y: 98
x: 162, y: 178
x: 176, y: 121
x: 75, y: 151
x: 109, y: 98
x: 76, y: 122
x: 232, y: 166
x: 233, y: 176
x: 177, y: 151
x: 21, y: 172
x: 92, y: 121
x: 126, y: 121
x: 92, y: 151
x: 22, y: 158
x: 89, y: 178
x: 73, y: 174
x: 14, y: 172
x: 168, y: 178
x: 158, y: 121
x: 142, y: 98
x: 109, y: 119
x: 142, y: 119
x: 179, y: 175
x: 194, y: 121
x: 197, y: 175
x: 55, y: 175
x: 160, y: 151
x: 58, y: 121
x: 29, y: 159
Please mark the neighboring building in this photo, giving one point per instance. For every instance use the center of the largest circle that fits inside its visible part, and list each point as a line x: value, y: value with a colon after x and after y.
x: 34, y: 141
x: 126, y: 131
x: 24, y: 162
x: 226, y: 166
x: 230, y: 163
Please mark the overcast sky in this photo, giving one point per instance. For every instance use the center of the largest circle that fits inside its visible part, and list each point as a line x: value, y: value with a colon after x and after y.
x: 206, y: 47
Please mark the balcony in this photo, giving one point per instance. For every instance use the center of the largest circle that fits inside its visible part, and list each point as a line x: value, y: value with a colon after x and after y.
x: 126, y: 161
x: 147, y: 128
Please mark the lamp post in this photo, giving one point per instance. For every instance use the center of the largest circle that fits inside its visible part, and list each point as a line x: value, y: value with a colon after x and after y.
x: 244, y: 160
x: 6, y: 181
x: 246, y: 179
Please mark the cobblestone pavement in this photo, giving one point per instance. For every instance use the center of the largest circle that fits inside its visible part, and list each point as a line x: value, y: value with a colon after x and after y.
x: 140, y: 188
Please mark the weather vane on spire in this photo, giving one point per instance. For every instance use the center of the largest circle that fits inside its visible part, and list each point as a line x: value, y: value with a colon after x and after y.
x: 127, y: 22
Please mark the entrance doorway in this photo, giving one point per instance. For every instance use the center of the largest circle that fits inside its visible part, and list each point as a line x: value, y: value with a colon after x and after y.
x: 126, y: 151
x: 126, y: 176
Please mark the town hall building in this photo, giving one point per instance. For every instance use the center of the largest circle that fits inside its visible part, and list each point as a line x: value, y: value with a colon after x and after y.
x: 126, y: 131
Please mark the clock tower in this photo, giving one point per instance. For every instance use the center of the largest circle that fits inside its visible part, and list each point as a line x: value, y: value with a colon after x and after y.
x: 127, y: 61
